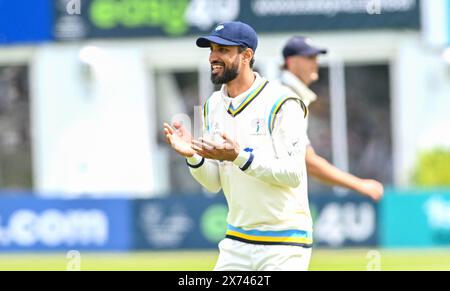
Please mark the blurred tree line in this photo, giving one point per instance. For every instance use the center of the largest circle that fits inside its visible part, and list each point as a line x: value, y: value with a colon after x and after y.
x: 433, y: 168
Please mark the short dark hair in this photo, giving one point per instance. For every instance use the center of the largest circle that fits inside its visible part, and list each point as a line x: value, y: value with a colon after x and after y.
x: 242, y: 48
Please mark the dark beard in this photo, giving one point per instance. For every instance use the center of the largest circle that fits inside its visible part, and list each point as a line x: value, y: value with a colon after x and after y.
x: 227, y: 76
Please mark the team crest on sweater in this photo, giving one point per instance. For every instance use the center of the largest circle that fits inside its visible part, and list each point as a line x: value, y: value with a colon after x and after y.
x: 257, y: 126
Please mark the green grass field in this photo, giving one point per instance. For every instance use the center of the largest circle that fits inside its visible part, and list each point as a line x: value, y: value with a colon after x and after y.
x: 354, y: 259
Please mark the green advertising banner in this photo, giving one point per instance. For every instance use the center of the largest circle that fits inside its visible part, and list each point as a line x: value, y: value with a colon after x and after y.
x: 415, y: 219
x: 174, y: 18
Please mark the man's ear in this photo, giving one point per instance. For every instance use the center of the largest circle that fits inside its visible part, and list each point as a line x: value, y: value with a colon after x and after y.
x: 287, y: 62
x: 248, y: 55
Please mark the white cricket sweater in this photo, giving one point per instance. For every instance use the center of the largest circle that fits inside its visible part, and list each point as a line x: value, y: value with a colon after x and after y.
x: 266, y: 186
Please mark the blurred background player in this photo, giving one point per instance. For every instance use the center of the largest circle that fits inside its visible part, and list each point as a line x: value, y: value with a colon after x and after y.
x: 300, y: 70
x: 254, y: 149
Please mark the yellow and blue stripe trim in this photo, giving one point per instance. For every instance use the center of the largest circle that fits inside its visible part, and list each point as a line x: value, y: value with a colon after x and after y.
x: 283, y: 237
x: 205, y: 115
x: 277, y: 106
x: 250, y: 97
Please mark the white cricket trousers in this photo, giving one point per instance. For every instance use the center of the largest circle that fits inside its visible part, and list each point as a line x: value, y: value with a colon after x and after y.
x: 239, y: 256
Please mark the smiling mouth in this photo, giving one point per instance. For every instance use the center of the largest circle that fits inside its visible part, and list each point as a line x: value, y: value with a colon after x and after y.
x: 216, y: 68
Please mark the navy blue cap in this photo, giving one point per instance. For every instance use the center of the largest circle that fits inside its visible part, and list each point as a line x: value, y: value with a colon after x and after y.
x: 233, y: 33
x: 301, y: 46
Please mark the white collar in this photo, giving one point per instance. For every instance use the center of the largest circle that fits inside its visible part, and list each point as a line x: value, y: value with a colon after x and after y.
x: 305, y: 94
x: 236, y: 101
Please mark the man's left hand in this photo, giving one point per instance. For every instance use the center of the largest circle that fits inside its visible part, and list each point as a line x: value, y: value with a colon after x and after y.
x: 228, y: 150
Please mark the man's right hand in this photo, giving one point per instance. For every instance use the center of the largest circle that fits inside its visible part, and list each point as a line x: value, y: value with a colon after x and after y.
x: 179, y: 139
x: 372, y: 188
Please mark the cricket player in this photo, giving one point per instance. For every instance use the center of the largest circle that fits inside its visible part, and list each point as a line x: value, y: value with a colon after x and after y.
x: 301, y: 69
x: 253, y: 148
